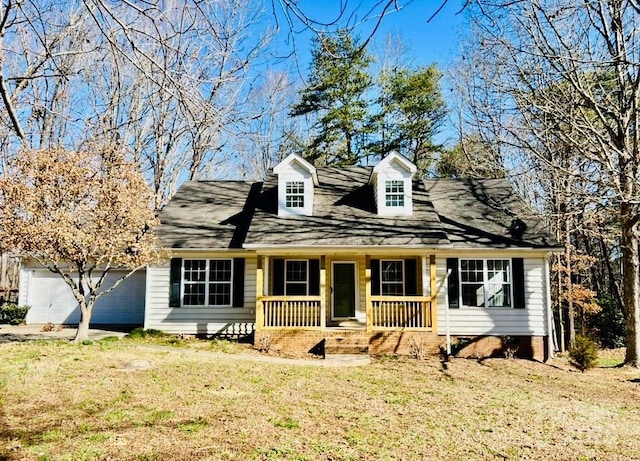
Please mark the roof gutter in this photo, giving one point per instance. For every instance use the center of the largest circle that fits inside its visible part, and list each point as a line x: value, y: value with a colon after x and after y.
x: 442, y: 247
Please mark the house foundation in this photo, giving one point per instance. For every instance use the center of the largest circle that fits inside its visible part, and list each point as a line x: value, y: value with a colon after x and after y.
x: 409, y: 343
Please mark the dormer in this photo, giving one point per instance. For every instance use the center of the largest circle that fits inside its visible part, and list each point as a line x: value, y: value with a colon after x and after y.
x: 392, y: 180
x: 296, y: 180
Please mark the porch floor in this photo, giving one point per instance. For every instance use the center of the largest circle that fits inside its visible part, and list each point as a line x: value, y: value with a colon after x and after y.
x: 346, y: 325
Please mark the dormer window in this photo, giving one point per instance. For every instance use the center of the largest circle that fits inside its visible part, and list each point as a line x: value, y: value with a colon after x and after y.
x: 394, y: 193
x: 294, y: 194
x: 392, y: 181
x: 296, y: 181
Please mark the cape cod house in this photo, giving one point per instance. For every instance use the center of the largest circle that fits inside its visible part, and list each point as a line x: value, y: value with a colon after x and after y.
x: 354, y: 258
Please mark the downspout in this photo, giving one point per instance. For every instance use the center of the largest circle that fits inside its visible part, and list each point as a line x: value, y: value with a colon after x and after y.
x: 550, y: 321
x: 446, y: 313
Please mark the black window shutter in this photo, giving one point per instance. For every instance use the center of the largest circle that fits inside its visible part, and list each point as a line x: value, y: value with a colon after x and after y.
x: 174, y: 282
x: 453, y: 285
x: 238, y: 282
x: 278, y: 277
x: 375, y: 277
x: 410, y: 277
x: 314, y: 277
x: 517, y: 267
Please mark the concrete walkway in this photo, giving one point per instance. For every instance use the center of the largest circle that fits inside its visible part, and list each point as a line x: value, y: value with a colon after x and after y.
x: 21, y: 333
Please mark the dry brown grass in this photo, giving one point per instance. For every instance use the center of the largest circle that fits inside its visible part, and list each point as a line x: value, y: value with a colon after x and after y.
x: 66, y: 402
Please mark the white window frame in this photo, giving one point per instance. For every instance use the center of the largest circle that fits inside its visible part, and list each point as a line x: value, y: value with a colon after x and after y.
x: 294, y: 200
x: 485, y: 283
x: 401, y: 283
x: 394, y: 193
x: 207, y: 283
x: 296, y: 282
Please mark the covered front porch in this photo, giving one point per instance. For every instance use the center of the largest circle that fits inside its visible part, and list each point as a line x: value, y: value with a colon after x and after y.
x: 331, y: 293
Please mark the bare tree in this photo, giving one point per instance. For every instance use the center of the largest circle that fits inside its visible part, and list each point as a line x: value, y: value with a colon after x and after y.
x: 170, y: 80
x: 269, y: 132
x: 565, y: 79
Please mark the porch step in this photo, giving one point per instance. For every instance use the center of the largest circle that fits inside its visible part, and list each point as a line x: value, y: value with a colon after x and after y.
x: 347, y: 345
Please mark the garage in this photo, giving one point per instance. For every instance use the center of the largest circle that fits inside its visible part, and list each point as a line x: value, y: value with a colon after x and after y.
x: 51, y: 299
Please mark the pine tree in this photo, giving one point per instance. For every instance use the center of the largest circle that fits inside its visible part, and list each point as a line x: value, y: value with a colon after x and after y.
x: 335, y: 95
x: 412, y: 111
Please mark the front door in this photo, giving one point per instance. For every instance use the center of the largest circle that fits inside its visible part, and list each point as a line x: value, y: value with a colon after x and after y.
x: 344, y: 290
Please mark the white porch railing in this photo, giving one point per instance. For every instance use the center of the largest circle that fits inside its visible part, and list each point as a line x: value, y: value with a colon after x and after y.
x: 291, y: 311
x: 393, y: 312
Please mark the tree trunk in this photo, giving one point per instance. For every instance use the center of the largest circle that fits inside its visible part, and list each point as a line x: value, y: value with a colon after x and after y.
x: 631, y: 287
x: 562, y: 339
x: 83, y: 327
x: 571, y: 311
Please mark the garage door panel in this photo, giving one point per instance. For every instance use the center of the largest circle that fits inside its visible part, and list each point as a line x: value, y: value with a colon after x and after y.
x: 51, y: 300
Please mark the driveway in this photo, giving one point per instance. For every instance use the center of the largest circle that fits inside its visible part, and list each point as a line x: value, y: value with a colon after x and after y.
x: 18, y: 333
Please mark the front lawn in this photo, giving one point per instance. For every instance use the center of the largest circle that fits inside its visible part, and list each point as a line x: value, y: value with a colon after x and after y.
x: 67, y: 402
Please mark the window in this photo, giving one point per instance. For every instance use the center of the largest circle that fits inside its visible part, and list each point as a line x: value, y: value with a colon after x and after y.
x: 394, y: 193
x: 207, y: 282
x: 294, y: 196
x: 296, y: 280
x: 392, y: 277
x: 485, y: 282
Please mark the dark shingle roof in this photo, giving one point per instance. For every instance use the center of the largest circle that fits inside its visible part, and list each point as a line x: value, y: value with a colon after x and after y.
x: 233, y: 214
x: 485, y: 213
x: 208, y: 214
x: 344, y: 214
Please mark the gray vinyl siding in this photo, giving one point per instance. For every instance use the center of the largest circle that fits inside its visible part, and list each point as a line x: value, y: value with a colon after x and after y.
x: 531, y: 321
x: 197, y: 320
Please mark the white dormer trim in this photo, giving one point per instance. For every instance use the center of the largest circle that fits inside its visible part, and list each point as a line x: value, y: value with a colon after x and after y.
x: 296, y: 181
x: 392, y: 180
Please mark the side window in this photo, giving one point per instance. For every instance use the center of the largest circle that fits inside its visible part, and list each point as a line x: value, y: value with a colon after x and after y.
x: 486, y: 282
x: 207, y: 282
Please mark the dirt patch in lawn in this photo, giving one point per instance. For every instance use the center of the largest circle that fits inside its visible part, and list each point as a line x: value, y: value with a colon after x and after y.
x: 66, y: 402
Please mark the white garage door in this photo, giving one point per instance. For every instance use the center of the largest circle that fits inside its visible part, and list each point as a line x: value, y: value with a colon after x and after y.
x: 51, y: 301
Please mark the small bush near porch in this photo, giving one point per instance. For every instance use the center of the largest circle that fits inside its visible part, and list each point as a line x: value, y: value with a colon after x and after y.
x: 67, y: 402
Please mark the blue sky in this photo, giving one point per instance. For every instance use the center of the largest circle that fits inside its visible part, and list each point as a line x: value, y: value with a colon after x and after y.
x: 434, y: 41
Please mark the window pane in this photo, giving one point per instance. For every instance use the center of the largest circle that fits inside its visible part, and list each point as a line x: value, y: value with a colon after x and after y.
x: 499, y: 296
x: 220, y: 270
x: 296, y: 271
x: 295, y: 201
x: 195, y: 270
x: 392, y: 289
x: 472, y: 295
x: 394, y: 187
x: 220, y: 294
x: 296, y: 289
x: 471, y: 271
x: 194, y: 294
x: 295, y: 187
x: 391, y: 271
